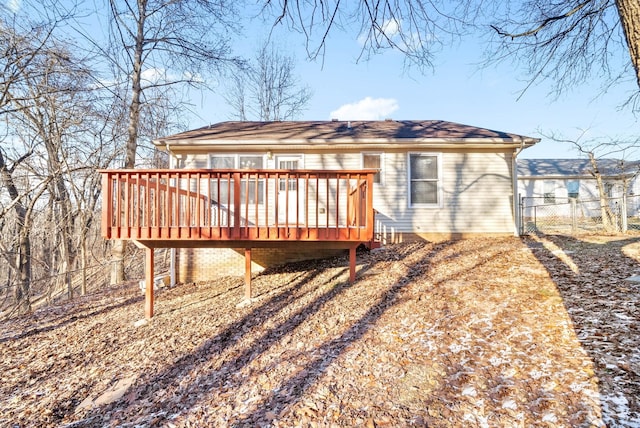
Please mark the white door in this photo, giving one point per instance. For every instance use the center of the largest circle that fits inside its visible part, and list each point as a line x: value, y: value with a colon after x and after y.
x: 290, y: 193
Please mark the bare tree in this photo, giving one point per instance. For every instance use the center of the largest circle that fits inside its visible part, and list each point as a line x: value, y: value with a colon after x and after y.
x: 417, y: 28
x: 60, y: 101
x: 17, y: 253
x: 566, y: 41
x: 268, y: 89
x: 157, y: 44
x: 595, y: 151
x: 51, y: 114
x: 22, y: 52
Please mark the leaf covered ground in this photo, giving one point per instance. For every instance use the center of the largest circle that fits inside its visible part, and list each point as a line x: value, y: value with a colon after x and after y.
x: 541, y: 331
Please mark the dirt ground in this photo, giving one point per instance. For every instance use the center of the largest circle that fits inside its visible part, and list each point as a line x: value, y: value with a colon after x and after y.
x: 541, y: 331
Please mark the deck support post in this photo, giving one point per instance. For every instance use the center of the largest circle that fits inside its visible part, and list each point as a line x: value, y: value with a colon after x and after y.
x: 247, y: 274
x: 352, y: 264
x: 148, y: 283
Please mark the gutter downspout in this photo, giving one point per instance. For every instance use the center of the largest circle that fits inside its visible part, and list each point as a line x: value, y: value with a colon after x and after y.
x: 172, y: 252
x: 516, y: 195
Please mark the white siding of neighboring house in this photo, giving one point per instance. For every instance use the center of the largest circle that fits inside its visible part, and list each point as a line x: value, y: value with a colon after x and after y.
x: 533, y: 189
x: 476, y: 194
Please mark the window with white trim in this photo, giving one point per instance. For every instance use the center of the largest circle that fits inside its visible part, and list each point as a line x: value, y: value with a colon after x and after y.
x: 549, y: 194
x: 251, y: 190
x: 608, y: 189
x: 424, y: 179
x: 573, y: 189
x: 374, y: 161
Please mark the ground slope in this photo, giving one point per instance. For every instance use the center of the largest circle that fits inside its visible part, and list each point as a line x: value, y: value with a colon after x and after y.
x: 481, y: 332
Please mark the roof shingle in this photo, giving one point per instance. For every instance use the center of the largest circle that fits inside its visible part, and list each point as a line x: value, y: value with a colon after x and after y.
x: 389, y: 130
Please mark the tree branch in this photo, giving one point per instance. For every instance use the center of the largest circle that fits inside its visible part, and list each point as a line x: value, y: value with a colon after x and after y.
x: 543, y: 24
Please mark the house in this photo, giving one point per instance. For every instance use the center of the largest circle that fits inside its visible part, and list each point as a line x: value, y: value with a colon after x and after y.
x: 433, y: 180
x: 552, y: 180
x: 557, y: 193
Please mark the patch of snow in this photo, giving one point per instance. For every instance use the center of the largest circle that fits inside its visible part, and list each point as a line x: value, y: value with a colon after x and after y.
x: 509, y: 404
x: 480, y: 421
x: 470, y: 391
x: 622, y: 316
x: 496, y: 361
x: 616, y: 412
x: 536, y: 374
x: 455, y: 348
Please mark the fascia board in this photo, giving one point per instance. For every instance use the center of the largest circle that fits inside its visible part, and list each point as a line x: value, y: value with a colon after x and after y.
x: 323, y: 144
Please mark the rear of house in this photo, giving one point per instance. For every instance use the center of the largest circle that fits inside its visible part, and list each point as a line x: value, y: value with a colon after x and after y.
x: 435, y: 179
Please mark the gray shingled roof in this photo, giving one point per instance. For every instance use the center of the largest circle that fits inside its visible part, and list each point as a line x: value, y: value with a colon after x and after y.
x: 342, y: 131
x: 574, y: 167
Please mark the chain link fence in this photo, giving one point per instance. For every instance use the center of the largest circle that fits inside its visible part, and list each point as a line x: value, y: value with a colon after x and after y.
x: 575, y: 216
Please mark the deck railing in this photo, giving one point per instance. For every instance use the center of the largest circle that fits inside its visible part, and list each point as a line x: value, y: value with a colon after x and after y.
x: 238, y: 205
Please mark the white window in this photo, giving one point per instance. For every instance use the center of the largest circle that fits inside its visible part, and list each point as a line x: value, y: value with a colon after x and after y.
x: 573, y: 188
x: 223, y: 161
x: 608, y: 189
x: 424, y: 179
x: 250, y: 161
x: 251, y: 190
x: 549, y: 194
x: 374, y: 161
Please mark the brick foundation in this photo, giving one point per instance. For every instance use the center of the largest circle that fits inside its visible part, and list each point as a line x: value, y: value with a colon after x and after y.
x: 201, y: 264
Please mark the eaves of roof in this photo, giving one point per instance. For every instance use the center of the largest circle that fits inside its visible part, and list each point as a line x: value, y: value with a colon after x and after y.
x: 343, y: 143
x: 326, y: 135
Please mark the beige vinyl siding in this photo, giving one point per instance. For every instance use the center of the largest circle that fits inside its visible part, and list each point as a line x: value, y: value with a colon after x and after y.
x: 341, y: 160
x: 476, y: 190
x: 476, y: 195
x: 193, y: 161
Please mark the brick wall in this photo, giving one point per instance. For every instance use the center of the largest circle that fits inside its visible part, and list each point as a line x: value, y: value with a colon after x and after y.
x: 201, y: 264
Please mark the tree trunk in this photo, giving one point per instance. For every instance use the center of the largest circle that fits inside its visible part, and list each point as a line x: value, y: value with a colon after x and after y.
x: 83, y: 253
x: 629, y: 11
x: 22, y: 292
x: 608, y: 219
x: 118, y: 247
x: 23, y: 256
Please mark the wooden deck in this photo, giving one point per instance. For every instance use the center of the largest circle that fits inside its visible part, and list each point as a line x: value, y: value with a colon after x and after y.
x: 168, y: 208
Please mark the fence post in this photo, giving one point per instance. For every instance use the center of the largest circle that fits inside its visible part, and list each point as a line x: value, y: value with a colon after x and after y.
x: 520, y: 218
x: 574, y: 213
x: 623, y: 212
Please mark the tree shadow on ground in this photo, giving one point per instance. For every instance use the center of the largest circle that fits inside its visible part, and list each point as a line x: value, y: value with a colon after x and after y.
x: 216, y: 364
x: 591, y: 276
x: 69, y: 318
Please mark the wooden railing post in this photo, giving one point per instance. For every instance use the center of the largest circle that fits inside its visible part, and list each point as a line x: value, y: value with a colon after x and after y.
x: 369, y: 206
x: 236, y: 204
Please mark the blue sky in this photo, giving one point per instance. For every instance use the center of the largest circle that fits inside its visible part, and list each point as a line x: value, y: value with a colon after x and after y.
x: 456, y: 90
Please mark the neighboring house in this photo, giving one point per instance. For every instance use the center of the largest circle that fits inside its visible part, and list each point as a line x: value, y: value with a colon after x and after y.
x: 547, y: 187
x: 436, y: 179
x: 551, y: 180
